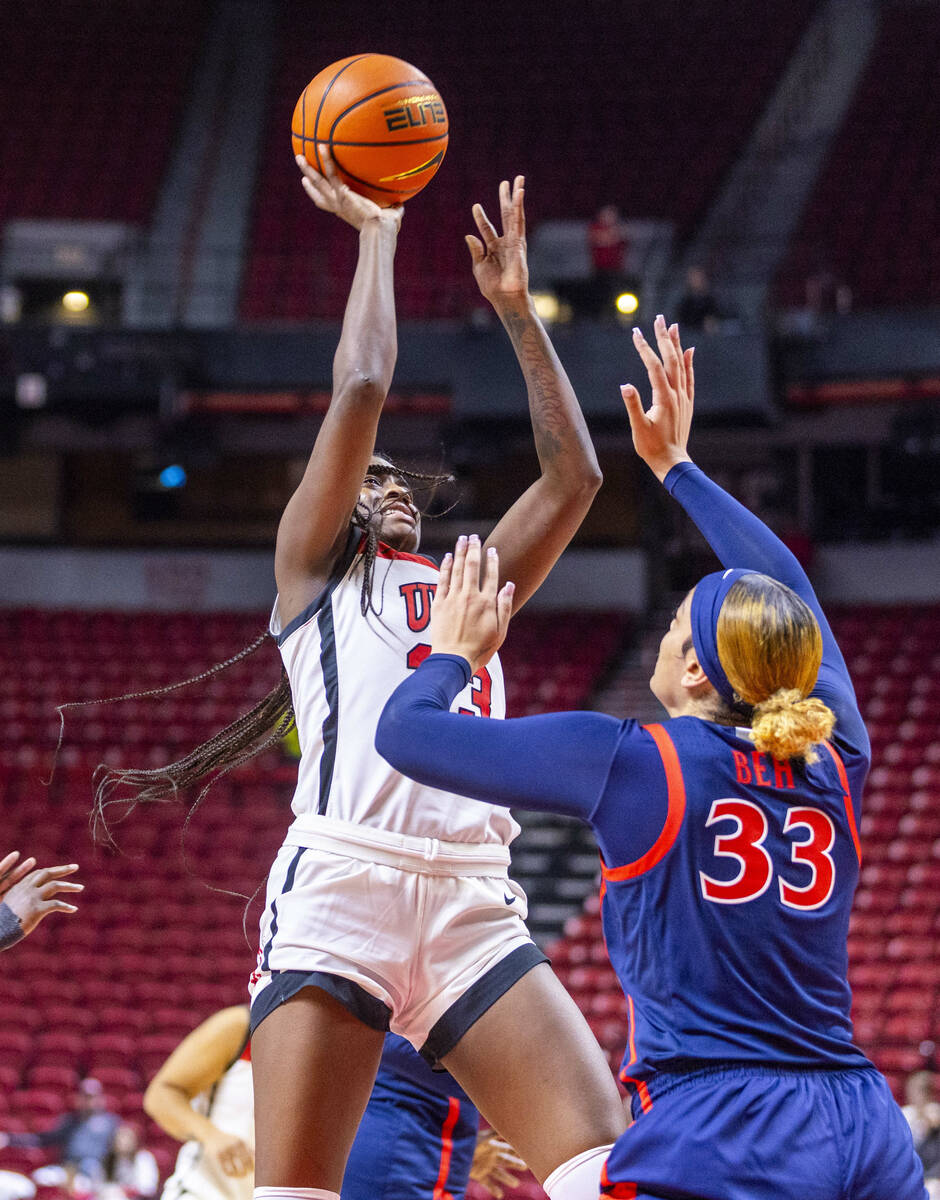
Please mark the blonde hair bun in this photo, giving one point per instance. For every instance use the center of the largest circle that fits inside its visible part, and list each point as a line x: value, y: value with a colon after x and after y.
x: 786, y: 725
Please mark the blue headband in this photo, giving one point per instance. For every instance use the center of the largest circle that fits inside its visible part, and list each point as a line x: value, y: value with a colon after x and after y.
x: 707, y: 599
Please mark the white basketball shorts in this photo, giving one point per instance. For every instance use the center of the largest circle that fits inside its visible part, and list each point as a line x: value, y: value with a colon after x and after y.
x: 410, y: 934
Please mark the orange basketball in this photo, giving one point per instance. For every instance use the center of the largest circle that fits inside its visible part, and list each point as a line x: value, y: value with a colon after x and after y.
x: 384, y: 121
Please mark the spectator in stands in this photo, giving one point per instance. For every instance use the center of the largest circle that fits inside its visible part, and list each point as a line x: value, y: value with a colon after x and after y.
x: 698, y: 308
x: 130, y: 1171
x: 28, y: 894
x: 85, y: 1136
x: 608, y: 243
x: 827, y: 293
x: 923, y: 1115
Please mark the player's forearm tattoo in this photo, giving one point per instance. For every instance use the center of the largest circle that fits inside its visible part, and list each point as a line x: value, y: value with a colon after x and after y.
x: 551, y: 423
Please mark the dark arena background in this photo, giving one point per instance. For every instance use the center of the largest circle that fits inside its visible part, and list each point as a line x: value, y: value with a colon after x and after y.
x: 169, y: 304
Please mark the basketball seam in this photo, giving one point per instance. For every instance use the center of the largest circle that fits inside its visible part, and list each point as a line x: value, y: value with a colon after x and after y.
x: 381, y: 92
x: 326, y: 91
x: 411, y: 142
x: 372, y: 95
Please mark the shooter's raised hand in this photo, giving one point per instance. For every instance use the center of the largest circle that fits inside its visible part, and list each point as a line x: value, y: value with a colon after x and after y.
x: 500, y: 266
x: 470, y: 614
x: 328, y: 192
x: 661, y: 433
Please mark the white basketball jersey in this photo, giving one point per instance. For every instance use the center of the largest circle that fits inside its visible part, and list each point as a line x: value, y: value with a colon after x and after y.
x: 230, y: 1106
x: 342, y: 667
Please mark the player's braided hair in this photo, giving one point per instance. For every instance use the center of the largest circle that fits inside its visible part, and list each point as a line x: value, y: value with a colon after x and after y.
x: 256, y: 730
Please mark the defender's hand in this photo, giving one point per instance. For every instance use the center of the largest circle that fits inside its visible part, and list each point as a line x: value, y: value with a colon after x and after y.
x: 500, y: 266
x: 328, y: 192
x: 661, y: 434
x: 470, y: 616
x: 496, y: 1166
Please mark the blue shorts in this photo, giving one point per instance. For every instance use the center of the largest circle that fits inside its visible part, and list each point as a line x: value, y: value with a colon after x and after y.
x: 753, y: 1133
x: 411, y: 1144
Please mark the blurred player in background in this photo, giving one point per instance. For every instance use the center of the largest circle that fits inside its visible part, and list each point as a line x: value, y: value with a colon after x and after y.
x: 84, y: 1137
x: 729, y: 847
x: 28, y: 893
x: 389, y: 905
x: 416, y: 1140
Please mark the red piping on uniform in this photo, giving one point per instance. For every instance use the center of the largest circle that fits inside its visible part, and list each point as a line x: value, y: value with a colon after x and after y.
x: 383, y: 551
x: 847, y: 797
x: 646, y: 1100
x: 631, y: 1030
x: 675, y: 812
x: 447, y: 1147
x: 619, y: 1191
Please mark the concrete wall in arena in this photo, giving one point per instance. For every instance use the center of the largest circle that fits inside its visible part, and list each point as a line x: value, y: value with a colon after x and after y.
x: 880, y: 573
x: 191, y: 580
x: 243, y: 581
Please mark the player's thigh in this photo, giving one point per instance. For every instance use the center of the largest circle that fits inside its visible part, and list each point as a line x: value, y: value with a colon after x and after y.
x: 313, y: 1065
x: 535, y: 1071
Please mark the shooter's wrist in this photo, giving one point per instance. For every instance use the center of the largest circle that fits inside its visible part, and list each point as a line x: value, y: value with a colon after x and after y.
x: 518, y: 305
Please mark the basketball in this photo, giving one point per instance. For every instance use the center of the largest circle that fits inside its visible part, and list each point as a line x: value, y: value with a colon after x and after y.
x: 384, y: 121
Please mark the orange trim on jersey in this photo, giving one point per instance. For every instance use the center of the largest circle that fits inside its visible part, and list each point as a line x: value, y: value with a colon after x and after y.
x: 631, y: 1030
x: 646, y: 1100
x: 619, y: 1190
x: 847, y: 797
x: 447, y: 1149
x: 675, y: 812
x: 383, y: 551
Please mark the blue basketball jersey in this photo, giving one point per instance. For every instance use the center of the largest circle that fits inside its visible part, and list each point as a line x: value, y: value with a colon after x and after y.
x: 729, y: 934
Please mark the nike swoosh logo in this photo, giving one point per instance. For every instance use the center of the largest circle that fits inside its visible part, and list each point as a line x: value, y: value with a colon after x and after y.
x: 509, y: 899
x: 432, y: 162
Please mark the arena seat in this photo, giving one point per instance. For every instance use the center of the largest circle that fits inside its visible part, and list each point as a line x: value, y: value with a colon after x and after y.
x: 100, y: 156
x: 881, y: 165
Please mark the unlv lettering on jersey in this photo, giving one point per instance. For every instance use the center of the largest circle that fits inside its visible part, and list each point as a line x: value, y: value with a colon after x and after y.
x: 418, y: 598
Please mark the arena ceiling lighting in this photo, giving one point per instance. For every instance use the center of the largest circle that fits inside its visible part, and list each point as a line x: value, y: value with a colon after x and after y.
x: 75, y: 302
x: 546, y: 305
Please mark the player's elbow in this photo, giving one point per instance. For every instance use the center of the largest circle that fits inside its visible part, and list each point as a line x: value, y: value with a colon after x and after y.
x: 151, y: 1101
x: 392, y: 737
x: 579, y: 483
x: 386, y: 735
x: 361, y: 386
x: 592, y: 478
